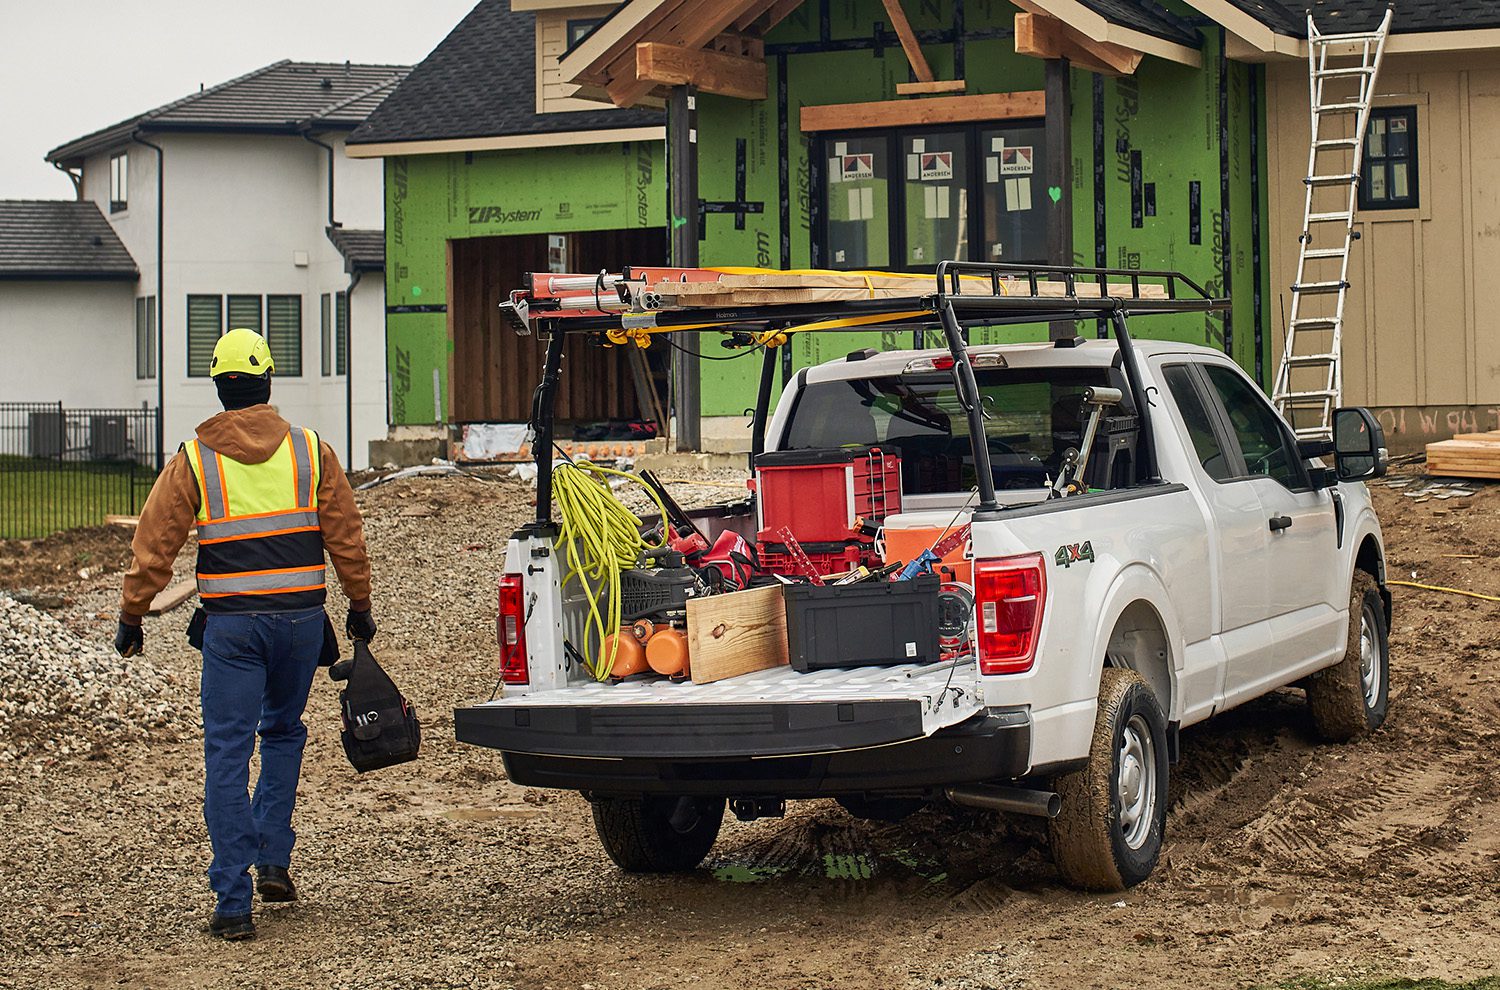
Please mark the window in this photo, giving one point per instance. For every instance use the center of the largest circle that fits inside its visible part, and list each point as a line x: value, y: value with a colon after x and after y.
x: 284, y: 334
x: 579, y: 29
x: 119, y: 181
x: 1199, y: 424
x: 325, y: 324
x: 1264, y: 442
x: 145, y: 337
x: 205, y: 324
x: 917, y: 196
x: 1389, y: 175
x: 341, y: 338
x: 1032, y: 417
x: 244, y: 311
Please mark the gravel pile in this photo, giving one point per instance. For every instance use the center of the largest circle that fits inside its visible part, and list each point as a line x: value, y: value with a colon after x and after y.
x: 61, y: 696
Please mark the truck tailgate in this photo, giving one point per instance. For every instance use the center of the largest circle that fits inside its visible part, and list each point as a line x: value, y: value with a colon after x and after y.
x: 768, y: 713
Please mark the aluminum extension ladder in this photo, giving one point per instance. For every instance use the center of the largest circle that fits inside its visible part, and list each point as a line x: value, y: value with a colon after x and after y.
x: 1342, y: 69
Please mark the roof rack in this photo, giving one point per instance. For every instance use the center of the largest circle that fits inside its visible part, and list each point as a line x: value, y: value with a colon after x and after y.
x: 634, y: 304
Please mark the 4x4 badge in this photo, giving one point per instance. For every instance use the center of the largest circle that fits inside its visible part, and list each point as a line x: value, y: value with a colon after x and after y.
x: 1074, y: 553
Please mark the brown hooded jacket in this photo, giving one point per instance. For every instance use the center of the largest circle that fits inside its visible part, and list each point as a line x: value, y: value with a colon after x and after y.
x: 250, y: 436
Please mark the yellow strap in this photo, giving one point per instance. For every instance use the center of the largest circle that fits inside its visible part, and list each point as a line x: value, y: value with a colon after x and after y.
x: 775, y: 338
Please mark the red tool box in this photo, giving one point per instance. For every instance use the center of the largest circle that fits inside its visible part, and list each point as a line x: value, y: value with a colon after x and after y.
x: 818, y: 494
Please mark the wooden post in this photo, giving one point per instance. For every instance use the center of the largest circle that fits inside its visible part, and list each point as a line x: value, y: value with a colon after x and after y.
x: 1059, y: 167
x: 682, y: 216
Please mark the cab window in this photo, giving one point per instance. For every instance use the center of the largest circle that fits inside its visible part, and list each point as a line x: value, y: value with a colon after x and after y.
x: 1264, y: 441
x: 1195, y: 417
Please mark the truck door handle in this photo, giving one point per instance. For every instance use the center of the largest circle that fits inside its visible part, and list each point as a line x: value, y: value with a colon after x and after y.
x: 1279, y: 523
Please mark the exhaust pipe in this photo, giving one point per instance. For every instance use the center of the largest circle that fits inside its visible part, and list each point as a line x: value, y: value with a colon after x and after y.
x: 1016, y: 800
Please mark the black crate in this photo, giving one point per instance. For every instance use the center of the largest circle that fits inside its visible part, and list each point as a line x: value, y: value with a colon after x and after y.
x: 871, y: 624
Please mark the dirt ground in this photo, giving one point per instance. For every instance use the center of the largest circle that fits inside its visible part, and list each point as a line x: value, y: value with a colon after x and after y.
x: 1285, y: 857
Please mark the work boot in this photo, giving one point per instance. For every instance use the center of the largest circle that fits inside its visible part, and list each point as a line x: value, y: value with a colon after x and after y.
x: 231, y: 927
x: 274, y: 884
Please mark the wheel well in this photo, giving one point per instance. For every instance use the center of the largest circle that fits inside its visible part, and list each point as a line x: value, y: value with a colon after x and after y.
x: 1139, y: 643
x: 1369, y: 560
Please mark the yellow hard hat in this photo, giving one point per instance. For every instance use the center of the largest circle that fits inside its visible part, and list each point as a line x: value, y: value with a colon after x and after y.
x: 241, y: 350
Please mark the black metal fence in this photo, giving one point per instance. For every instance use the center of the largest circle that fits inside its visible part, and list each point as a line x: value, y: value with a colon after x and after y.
x: 62, y: 467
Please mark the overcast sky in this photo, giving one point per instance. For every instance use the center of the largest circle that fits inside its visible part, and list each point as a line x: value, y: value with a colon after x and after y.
x: 68, y: 68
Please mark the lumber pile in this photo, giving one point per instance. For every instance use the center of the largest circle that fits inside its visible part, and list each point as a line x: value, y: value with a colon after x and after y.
x: 1468, y: 455
x: 793, y: 289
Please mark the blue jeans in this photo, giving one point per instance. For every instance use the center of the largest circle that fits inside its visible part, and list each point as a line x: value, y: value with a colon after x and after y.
x: 257, y: 671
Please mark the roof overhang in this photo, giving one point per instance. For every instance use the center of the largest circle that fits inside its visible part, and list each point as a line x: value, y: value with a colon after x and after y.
x: 1252, y: 40
x: 504, y: 142
x: 1100, y: 29
x: 55, y: 276
x: 73, y: 154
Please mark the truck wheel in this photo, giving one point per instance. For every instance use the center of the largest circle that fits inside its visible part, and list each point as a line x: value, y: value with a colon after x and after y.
x: 652, y: 834
x: 1114, y: 810
x: 1350, y: 698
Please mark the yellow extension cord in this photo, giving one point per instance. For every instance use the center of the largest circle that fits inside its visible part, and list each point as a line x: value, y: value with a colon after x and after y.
x: 1451, y: 591
x: 600, y: 537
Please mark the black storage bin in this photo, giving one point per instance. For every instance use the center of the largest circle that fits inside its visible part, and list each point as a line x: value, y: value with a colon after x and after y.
x: 872, y: 624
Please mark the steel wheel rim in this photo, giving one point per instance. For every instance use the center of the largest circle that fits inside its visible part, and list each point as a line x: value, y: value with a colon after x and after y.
x: 1369, y: 657
x: 1135, y: 782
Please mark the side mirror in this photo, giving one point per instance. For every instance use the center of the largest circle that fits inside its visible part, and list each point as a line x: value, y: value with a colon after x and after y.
x: 1358, y: 445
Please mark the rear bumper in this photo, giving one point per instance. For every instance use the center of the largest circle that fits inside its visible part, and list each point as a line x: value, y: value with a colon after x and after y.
x: 788, y: 750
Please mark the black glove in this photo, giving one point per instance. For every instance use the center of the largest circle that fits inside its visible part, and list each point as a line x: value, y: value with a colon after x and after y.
x: 129, y: 640
x: 360, y: 625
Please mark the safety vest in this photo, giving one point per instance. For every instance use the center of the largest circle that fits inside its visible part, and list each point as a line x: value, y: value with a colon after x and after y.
x: 260, y: 548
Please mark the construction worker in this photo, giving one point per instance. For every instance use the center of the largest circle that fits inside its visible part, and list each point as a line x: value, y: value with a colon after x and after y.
x: 268, y: 499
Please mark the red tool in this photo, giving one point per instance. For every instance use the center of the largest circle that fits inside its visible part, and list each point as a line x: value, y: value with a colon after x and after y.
x: 799, y: 556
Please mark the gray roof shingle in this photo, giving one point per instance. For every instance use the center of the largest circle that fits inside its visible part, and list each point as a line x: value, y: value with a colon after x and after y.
x: 1147, y: 17
x: 1348, y: 16
x: 363, y: 250
x: 481, y: 82
x: 60, y: 239
x: 279, y: 98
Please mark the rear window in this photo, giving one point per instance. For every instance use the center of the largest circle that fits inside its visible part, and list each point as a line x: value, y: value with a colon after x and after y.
x: 1032, y: 417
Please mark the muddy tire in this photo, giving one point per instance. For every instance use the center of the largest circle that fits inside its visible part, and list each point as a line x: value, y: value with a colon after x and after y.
x: 654, y: 834
x: 1349, y: 699
x: 1109, y: 832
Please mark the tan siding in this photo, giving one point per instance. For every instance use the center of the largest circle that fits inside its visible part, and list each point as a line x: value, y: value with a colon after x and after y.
x: 553, y: 95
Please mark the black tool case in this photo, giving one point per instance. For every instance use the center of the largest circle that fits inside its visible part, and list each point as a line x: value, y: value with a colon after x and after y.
x: 871, y: 624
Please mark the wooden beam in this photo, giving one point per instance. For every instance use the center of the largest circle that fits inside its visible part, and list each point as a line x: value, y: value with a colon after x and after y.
x: 712, y: 72
x: 1045, y: 37
x: 936, y: 86
x: 908, y: 40
x: 700, y: 21
x: 938, y: 110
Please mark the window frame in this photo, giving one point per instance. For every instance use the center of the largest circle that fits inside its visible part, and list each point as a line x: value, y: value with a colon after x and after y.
x: 1409, y: 112
x: 325, y: 334
x: 259, y: 326
x: 341, y: 317
x: 1229, y: 440
x: 587, y: 24
x: 145, y: 339
x: 896, y: 186
x: 119, y: 181
x: 1229, y: 445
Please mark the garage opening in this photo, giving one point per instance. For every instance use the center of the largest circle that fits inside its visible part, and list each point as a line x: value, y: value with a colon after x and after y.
x: 494, y: 371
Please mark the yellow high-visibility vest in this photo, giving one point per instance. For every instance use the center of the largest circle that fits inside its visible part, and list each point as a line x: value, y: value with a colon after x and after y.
x: 260, y: 547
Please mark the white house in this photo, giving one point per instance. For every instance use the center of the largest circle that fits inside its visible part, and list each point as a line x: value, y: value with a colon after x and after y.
x: 239, y: 208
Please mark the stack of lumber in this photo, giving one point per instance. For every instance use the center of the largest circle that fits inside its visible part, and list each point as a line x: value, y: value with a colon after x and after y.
x: 793, y: 289
x: 1468, y: 455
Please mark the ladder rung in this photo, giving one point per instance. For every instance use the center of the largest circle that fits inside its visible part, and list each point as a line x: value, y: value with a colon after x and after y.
x: 1315, y: 323
x: 1346, y: 70
x: 1310, y: 397
x: 1339, y: 108
x: 1319, y: 286
x: 1336, y: 143
x: 1329, y: 217
x: 1346, y: 39
x: 1312, y: 254
x: 1330, y: 180
x: 1302, y: 360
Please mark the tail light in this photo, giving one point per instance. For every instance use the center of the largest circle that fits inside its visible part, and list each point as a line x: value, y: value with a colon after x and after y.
x: 510, y: 629
x: 1010, y: 593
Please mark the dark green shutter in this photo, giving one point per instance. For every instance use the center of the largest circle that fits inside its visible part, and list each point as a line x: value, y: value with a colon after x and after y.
x: 244, y: 311
x: 284, y: 334
x: 205, y: 323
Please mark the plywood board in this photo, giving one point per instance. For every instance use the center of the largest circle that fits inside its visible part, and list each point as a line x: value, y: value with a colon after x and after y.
x: 735, y: 634
x: 172, y: 597
x: 1465, y: 458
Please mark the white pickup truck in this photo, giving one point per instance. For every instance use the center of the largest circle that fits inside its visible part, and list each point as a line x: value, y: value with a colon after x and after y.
x: 1213, y: 559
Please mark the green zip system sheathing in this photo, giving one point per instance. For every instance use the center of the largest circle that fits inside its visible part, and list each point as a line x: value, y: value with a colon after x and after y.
x: 431, y: 199
x: 1149, y: 166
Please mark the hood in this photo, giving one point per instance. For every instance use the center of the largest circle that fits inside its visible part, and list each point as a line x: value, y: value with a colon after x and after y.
x: 250, y: 435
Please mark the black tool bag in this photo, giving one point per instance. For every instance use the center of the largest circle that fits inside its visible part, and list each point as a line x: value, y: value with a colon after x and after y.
x: 380, y: 726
